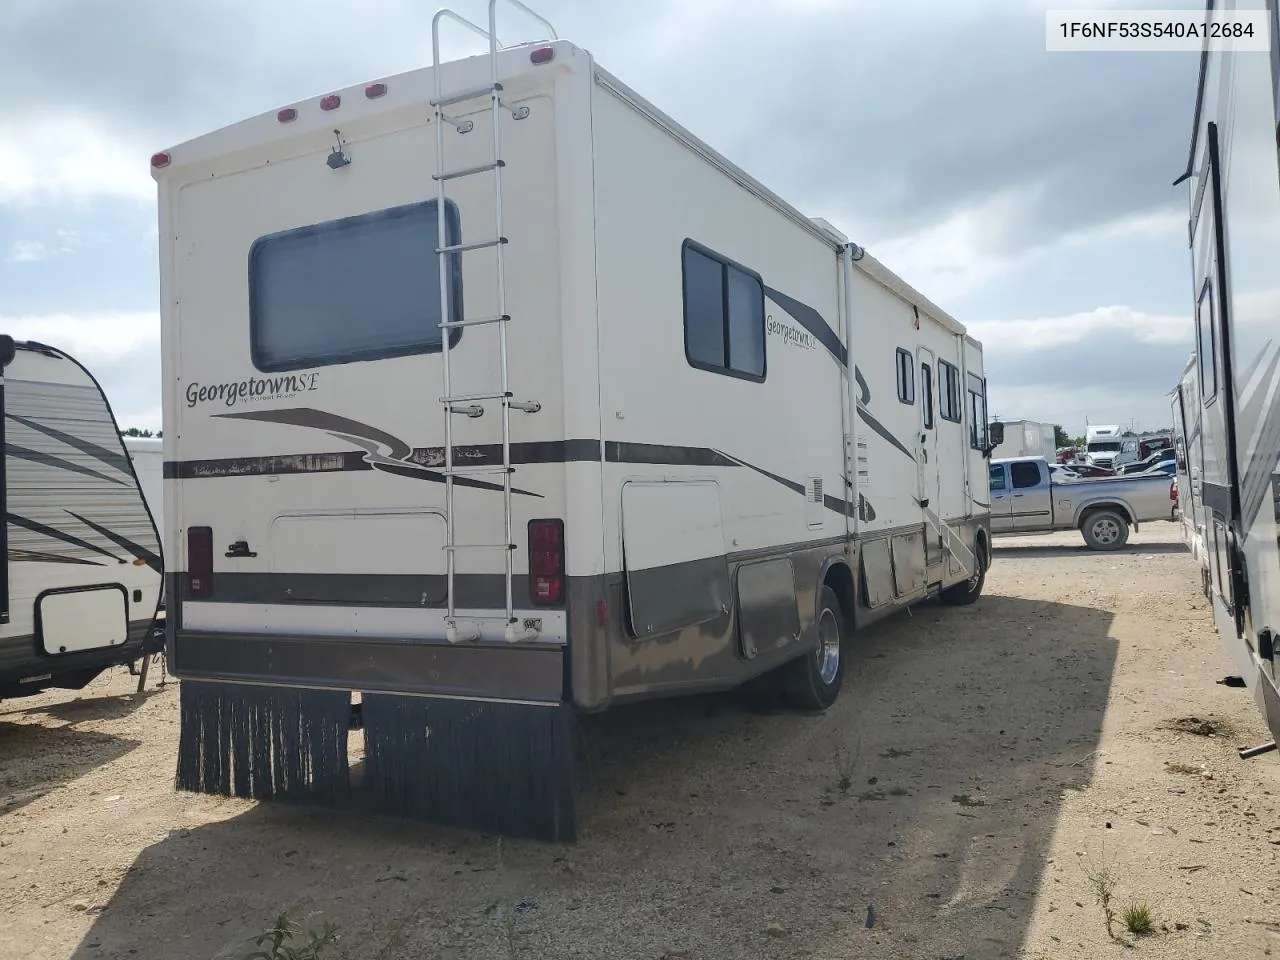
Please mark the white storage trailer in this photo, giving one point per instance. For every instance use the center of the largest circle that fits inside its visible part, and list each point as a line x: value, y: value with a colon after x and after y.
x: 678, y: 436
x: 1027, y: 438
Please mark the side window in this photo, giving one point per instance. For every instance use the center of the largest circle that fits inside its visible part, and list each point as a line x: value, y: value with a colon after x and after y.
x: 1207, y: 345
x: 977, y: 413
x: 948, y: 392
x: 926, y: 382
x: 997, y: 477
x: 906, y: 377
x: 1024, y: 474
x: 723, y: 315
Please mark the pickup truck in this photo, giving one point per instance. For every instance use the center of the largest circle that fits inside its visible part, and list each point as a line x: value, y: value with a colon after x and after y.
x: 1025, y: 499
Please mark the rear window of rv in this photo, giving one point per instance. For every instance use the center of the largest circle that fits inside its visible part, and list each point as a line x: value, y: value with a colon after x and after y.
x: 360, y: 288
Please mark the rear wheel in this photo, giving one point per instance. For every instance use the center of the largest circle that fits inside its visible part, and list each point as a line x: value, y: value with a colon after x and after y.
x: 1105, y: 530
x: 968, y: 591
x: 813, y: 681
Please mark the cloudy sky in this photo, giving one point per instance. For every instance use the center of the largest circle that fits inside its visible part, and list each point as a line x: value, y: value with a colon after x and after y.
x: 1026, y: 192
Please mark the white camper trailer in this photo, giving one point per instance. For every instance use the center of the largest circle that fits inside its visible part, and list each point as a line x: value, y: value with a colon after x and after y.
x: 676, y: 434
x: 1233, y: 183
x: 1027, y: 438
x: 81, y: 580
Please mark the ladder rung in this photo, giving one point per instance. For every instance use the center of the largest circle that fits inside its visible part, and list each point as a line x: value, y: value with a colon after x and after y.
x: 450, y: 324
x: 474, y: 396
x: 468, y: 171
x: 486, y: 470
x: 478, y: 245
x: 486, y: 91
x: 481, y: 546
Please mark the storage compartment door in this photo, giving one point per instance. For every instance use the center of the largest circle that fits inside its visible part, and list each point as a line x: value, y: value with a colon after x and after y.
x: 87, y: 618
x: 673, y: 550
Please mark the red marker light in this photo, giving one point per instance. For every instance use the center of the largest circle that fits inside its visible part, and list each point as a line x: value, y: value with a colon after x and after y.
x: 330, y: 102
x: 160, y: 160
x: 287, y: 115
x: 542, y: 55
x: 375, y: 90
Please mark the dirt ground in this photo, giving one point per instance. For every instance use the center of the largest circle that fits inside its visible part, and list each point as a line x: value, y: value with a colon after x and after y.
x: 980, y: 763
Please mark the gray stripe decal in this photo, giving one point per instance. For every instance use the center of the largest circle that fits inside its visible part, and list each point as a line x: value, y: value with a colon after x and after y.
x: 883, y: 431
x: 55, y: 534
x: 137, y: 550
x: 112, y: 458
x: 49, y: 460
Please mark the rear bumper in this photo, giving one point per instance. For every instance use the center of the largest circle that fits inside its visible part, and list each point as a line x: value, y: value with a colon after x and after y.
x: 485, y: 670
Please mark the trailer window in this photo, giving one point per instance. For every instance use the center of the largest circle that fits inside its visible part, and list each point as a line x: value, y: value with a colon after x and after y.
x: 949, y: 392
x: 723, y: 315
x: 926, y: 381
x: 906, y: 377
x: 359, y: 288
x: 977, y: 413
x: 1206, y: 345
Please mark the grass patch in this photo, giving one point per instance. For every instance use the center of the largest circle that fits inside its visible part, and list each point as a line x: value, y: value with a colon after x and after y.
x: 1139, y: 920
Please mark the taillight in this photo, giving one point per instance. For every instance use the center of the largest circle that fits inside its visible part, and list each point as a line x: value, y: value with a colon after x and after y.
x: 331, y: 102
x: 546, y: 562
x: 1173, y: 489
x: 200, y: 561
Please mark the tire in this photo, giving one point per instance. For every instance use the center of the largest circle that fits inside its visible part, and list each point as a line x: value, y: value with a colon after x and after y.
x: 968, y: 591
x: 1104, y: 530
x: 813, y: 681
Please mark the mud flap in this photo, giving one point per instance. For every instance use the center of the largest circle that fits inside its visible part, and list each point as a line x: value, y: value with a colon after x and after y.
x: 504, y: 768
x: 264, y: 742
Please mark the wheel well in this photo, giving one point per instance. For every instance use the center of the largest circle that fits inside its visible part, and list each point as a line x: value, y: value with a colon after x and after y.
x: 840, y: 579
x: 983, y: 542
x: 1110, y: 507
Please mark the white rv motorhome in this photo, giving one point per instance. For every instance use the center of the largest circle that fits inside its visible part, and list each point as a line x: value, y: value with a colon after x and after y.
x: 1027, y: 438
x: 1233, y: 184
x: 594, y: 417
x: 1106, y: 446
x: 81, y: 580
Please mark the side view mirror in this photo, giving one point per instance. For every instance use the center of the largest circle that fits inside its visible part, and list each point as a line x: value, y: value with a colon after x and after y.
x: 995, y: 437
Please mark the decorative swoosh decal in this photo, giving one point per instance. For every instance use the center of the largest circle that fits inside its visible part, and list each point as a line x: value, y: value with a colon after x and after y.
x: 112, y: 458
x: 382, y: 451
x: 136, y: 549
x: 54, y: 534
x: 49, y: 460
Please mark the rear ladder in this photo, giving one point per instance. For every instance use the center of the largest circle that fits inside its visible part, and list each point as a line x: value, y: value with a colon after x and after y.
x: 463, y: 629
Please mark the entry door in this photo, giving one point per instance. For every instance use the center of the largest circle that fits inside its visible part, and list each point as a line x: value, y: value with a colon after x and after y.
x: 1001, y: 499
x: 927, y: 453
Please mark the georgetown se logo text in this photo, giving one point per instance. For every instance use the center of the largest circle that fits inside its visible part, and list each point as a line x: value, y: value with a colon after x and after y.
x: 252, y: 389
x: 791, y: 336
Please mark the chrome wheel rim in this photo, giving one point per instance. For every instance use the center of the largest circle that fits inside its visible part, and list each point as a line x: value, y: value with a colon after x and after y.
x: 828, y: 653
x: 1106, y: 530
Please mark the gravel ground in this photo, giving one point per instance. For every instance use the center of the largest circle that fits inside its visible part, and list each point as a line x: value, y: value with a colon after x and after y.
x: 980, y: 763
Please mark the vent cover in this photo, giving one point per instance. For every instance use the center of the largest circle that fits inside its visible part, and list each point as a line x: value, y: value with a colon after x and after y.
x: 814, y: 508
